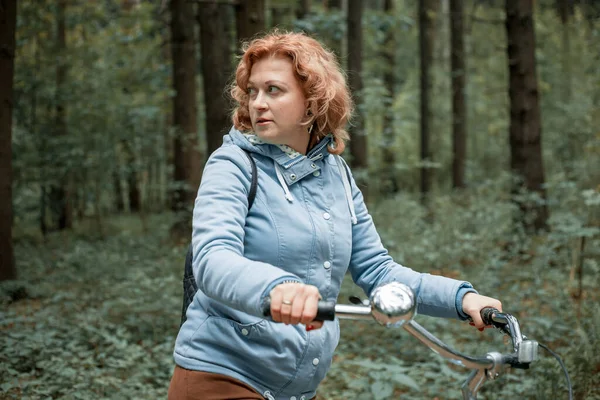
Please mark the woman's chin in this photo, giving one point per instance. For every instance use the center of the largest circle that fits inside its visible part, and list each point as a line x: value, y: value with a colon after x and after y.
x: 268, y: 135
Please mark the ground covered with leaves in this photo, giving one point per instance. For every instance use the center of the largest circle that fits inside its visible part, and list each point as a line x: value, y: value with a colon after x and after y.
x: 95, y: 316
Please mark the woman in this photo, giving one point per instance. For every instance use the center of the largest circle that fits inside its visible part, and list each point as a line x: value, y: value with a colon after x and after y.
x: 308, y: 225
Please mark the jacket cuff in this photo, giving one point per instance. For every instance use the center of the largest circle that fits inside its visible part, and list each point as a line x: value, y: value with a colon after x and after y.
x: 463, y: 289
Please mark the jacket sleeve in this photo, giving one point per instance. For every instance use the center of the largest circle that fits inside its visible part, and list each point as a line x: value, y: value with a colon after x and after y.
x: 220, y: 268
x: 371, y: 266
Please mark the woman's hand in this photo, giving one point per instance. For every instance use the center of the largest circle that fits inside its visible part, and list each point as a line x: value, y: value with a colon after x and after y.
x: 295, y: 303
x: 473, y: 303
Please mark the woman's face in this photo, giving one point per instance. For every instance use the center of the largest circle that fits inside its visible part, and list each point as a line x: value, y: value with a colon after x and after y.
x: 277, y: 104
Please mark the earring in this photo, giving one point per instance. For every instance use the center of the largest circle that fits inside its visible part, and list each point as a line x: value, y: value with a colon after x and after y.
x: 311, y: 128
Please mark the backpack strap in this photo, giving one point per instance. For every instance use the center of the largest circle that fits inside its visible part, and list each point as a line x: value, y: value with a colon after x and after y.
x: 253, y: 182
x: 189, y: 282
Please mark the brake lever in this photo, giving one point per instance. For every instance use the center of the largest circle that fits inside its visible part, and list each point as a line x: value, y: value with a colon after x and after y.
x: 356, y: 300
x: 504, y: 328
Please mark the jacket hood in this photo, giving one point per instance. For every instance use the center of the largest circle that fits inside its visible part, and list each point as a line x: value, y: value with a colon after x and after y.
x: 291, y: 166
x: 273, y: 151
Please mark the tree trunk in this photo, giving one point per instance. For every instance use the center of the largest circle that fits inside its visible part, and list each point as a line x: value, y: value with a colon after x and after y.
x: 426, y: 10
x: 132, y: 172
x: 250, y: 19
x: 164, y: 161
x: 165, y: 149
x: 216, y: 58
x: 43, y: 140
x: 333, y: 4
x: 187, y: 157
x: 358, y: 144
x: 280, y: 16
x: 565, y: 10
x: 119, y: 203
x: 459, y: 112
x: 303, y: 9
x: 127, y: 5
x: 590, y: 9
x: 131, y: 161
x: 388, y: 54
x: 8, y: 19
x: 525, y: 126
x: 60, y: 201
x: 336, y: 45
x: 122, y: 190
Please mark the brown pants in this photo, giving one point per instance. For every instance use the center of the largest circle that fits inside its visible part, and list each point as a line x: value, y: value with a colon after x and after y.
x: 197, y: 385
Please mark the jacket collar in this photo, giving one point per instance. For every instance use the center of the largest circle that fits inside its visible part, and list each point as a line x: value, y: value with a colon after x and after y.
x: 295, y: 166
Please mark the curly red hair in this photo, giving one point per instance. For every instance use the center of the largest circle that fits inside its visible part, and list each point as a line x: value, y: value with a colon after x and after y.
x: 318, y: 73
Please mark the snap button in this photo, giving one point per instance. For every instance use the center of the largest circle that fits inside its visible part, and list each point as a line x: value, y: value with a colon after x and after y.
x: 316, y: 362
x: 293, y: 177
x: 316, y: 173
x: 327, y: 264
x: 302, y: 397
x: 326, y: 215
x: 313, y: 165
x: 293, y: 398
x: 245, y: 332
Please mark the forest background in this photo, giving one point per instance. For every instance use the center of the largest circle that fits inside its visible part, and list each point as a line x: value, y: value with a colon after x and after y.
x: 475, y: 139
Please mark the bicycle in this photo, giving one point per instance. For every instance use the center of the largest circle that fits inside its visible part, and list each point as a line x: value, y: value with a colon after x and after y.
x: 393, y: 305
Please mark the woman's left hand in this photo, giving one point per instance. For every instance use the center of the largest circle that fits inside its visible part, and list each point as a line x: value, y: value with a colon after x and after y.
x: 473, y: 303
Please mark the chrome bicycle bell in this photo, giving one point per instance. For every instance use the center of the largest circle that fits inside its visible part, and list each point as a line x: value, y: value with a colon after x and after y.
x: 393, y: 304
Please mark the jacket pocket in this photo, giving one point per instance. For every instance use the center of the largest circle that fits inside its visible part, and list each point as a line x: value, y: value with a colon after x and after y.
x: 219, y: 310
x: 265, y: 352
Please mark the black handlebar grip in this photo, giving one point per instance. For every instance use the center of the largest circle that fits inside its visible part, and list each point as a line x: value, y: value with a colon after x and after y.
x: 487, y: 314
x: 325, y: 310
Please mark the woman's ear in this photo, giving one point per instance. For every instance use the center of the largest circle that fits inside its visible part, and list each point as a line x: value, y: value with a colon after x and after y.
x: 307, y: 105
x: 308, y: 116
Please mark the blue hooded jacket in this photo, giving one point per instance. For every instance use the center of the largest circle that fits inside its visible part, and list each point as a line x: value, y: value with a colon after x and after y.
x: 308, y: 223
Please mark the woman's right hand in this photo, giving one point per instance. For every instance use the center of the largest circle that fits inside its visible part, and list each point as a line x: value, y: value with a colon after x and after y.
x: 295, y: 303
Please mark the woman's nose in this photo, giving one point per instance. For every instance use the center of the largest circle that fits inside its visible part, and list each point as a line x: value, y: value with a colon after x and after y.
x: 260, y: 102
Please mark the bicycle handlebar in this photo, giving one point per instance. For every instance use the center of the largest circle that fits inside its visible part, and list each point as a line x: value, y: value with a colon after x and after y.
x: 327, y: 311
x: 394, y: 305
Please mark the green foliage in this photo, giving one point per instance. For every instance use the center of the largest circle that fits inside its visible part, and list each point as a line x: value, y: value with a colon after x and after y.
x: 118, y: 93
x: 116, y: 97
x: 95, y: 312
x: 101, y: 314
x: 570, y: 137
x: 102, y: 320
x: 473, y: 238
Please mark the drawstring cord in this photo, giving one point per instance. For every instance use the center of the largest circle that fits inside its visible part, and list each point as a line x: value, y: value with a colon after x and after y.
x: 288, y: 195
x: 345, y: 182
x: 347, y: 189
x: 268, y: 395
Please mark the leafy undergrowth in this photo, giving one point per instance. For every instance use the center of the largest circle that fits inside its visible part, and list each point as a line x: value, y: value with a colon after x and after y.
x: 99, y: 319
x: 96, y: 317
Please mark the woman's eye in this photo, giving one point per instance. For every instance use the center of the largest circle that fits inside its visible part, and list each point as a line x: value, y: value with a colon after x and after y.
x: 273, y: 89
x: 250, y: 90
